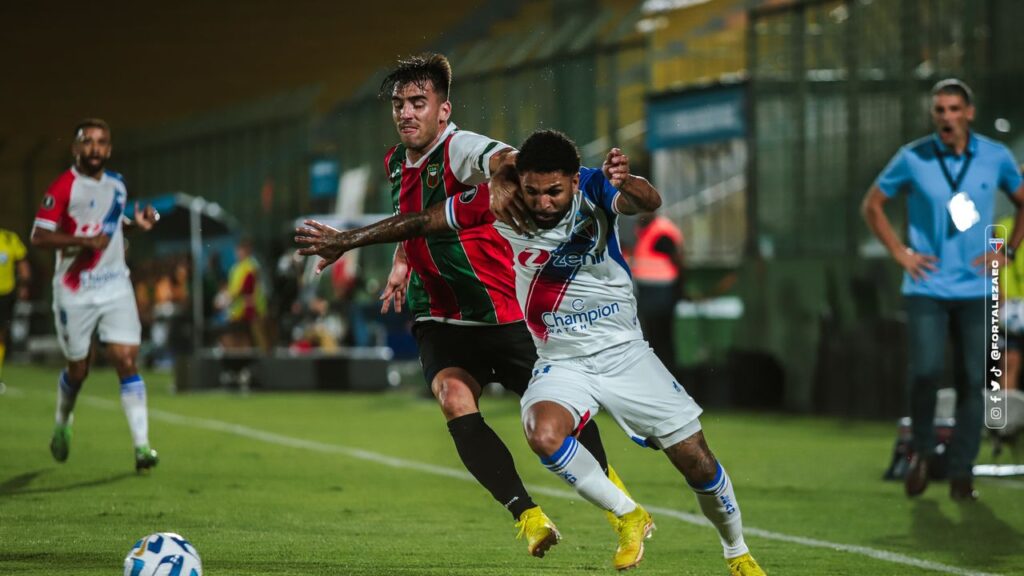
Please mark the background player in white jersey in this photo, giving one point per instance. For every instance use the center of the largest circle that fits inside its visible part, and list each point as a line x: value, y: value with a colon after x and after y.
x: 576, y: 293
x: 81, y: 218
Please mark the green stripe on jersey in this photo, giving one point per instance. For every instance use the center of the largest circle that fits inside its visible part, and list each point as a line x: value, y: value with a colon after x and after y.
x: 451, y: 259
x: 416, y: 298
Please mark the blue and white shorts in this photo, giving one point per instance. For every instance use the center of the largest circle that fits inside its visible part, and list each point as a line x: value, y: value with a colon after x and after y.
x: 629, y: 382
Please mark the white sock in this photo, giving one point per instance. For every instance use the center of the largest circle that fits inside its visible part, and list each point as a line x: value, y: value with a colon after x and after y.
x: 577, y: 466
x: 67, y: 392
x: 133, y: 399
x: 718, y: 502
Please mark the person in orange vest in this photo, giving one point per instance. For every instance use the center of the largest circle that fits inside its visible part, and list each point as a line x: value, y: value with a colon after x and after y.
x: 658, y: 272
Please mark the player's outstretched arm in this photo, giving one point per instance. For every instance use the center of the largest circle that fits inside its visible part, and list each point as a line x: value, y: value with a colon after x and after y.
x: 319, y: 239
x: 43, y: 238
x: 637, y: 194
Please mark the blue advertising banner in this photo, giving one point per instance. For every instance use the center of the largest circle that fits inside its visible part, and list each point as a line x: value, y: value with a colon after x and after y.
x: 696, y: 117
x: 323, y: 178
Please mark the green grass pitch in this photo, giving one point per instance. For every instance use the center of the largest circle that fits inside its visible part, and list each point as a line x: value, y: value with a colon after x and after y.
x: 370, y: 485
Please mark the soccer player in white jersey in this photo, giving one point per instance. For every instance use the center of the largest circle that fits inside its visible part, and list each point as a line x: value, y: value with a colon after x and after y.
x: 81, y: 219
x: 576, y: 294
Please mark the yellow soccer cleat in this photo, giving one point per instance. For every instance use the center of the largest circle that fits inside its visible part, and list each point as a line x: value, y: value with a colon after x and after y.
x: 744, y: 565
x: 633, y: 529
x: 614, y: 477
x: 539, y: 530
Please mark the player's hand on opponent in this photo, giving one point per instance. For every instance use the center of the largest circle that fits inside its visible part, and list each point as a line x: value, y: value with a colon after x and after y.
x: 146, y: 218
x: 507, y: 203
x: 321, y: 240
x: 616, y: 167
x: 398, y: 282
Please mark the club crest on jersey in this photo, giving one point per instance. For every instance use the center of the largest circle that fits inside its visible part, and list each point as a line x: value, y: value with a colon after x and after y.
x: 49, y: 201
x: 467, y: 196
x: 433, y: 175
x: 585, y: 226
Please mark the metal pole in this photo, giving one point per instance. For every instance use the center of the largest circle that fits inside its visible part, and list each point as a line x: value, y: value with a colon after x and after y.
x: 195, y: 210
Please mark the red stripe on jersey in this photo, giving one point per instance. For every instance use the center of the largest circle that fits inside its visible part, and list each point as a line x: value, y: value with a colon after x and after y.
x: 488, y: 252
x: 545, y: 295
x: 443, y: 303
x: 387, y: 161
x: 55, y: 203
x: 86, y: 260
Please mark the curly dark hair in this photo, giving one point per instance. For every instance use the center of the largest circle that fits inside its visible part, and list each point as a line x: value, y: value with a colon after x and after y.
x: 548, y: 151
x: 420, y: 69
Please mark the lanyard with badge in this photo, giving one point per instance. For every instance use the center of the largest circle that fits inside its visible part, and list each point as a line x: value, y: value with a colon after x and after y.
x: 961, y: 208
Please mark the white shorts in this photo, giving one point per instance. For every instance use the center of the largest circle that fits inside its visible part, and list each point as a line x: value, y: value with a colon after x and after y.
x: 117, y: 321
x: 628, y: 381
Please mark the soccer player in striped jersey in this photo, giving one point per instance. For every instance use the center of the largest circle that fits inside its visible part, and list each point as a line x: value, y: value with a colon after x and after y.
x: 82, y: 218
x: 459, y: 285
x: 576, y: 293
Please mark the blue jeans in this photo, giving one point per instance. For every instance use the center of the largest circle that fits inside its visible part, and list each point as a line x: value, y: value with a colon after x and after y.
x: 930, y: 322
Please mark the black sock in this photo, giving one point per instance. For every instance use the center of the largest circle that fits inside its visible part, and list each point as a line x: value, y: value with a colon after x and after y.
x: 490, y: 462
x: 590, y: 438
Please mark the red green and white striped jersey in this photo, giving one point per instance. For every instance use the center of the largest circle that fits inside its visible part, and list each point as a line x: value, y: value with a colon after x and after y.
x: 464, y: 276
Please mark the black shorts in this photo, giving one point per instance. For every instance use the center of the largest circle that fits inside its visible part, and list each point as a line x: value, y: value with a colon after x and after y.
x: 503, y: 353
x: 7, y: 310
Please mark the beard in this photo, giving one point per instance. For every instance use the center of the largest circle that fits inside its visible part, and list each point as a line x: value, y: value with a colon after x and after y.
x: 548, y: 224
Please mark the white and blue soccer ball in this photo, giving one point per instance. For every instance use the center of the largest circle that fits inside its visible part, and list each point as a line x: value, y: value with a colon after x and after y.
x: 163, y: 554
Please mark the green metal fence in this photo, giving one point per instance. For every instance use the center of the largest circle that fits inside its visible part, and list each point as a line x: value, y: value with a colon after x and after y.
x: 837, y: 87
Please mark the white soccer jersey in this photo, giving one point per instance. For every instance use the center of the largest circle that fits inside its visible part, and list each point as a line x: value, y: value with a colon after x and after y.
x: 572, y: 282
x: 83, y: 206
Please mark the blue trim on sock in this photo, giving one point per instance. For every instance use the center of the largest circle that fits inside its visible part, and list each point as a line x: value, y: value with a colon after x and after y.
x: 714, y: 484
x: 68, y: 385
x: 566, y: 458
x: 133, y: 385
x: 569, y: 445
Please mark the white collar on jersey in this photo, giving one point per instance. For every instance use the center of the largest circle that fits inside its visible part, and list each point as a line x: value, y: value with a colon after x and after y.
x: 440, y: 140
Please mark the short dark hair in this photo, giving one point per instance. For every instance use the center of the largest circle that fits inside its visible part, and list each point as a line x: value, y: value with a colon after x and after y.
x: 90, y: 123
x: 954, y: 86
x: 548, y: 151
x: 419, y: 70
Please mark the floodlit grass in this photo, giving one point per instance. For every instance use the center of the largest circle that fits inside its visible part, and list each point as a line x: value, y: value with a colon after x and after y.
x: 267, y: 484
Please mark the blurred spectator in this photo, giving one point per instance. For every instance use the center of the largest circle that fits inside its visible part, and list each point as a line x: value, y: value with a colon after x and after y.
x: 658, y: 272
x: 248, y: 305
x: 14, y: 278
x: 950, y: 179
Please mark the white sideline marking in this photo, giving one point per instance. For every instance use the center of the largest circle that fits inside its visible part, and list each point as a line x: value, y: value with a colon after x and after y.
x: 323, y: 447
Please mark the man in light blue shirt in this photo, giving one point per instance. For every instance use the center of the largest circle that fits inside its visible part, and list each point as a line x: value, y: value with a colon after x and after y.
x: 950, y: 180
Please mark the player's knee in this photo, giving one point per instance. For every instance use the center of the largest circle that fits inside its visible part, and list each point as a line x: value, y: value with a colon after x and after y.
x: 124, y: 360
x: 454, y: 393
x: 78, y: 371
x: 544, y: 437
